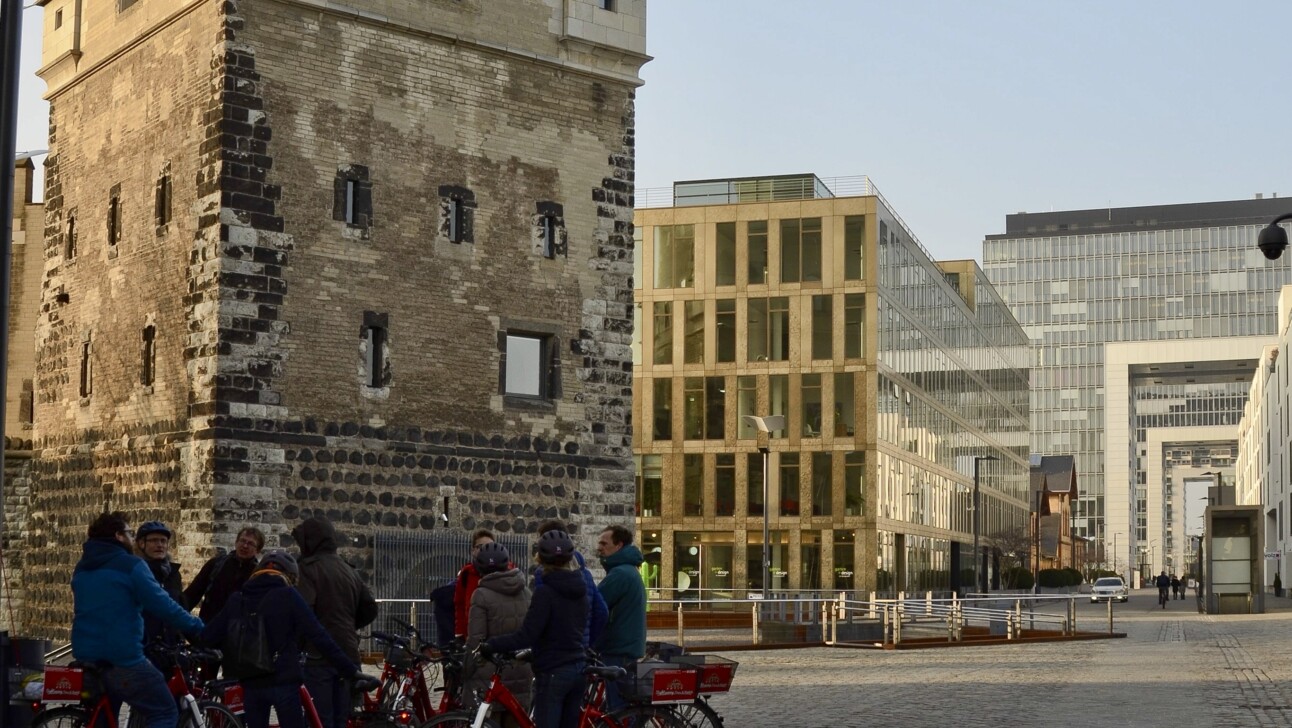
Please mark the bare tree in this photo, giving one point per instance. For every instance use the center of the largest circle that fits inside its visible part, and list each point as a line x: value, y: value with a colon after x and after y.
x: 1014, y: 544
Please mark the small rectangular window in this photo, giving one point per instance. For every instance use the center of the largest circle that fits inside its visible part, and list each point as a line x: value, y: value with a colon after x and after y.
x: 124, y: 4
x: 756, y: 237
x: 854, y: 258
x: 725, y: 333
x: 114, y: 220
x: 650, y: 485
x: 549, y: 236
x: 692, y: 485
x: 854, y: 325
x: 87, y: 368
x: 162, y: 201
x: 754, y: 484
x: 662, y: 418
x: 663, y: 332
x: 822, y: 480
x: 455, y: 220
x: 724, y: 485
x: 693, y: 340
x: 822, y: 327
x: 69, y: 236
x: 790, y: 495
x: 746, y: 403
x: 352, y: 198
x: 351, y: 193
x: 675, y: 256
x: 375, y: 340
x: 606, y: 5
x: 725, y: 253
x: 854, y: 483
x: 148, y: 365
x: 58, y: 19
x: 526, y: 366
x: 810, y: 396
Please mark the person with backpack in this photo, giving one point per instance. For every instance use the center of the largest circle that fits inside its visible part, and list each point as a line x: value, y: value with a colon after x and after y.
x: 260, y: 631
x: 497, y: 607
x: 598, y: 612
x: 554, y: 627
x: 342, y: 603
x: 224, y: 574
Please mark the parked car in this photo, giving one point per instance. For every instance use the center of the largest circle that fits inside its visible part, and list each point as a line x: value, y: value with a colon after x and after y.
x: 1108, y: 588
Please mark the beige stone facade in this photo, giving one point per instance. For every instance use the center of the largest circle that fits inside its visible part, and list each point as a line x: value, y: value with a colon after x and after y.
x: 773, y: 296
x: 364, y: 260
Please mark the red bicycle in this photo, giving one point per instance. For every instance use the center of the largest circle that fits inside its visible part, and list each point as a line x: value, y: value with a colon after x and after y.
x: 403, y: 696
x: 498, y: 697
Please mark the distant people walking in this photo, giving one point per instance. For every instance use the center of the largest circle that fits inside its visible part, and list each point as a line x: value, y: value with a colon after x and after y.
x: 343, y: 604
x: 1176, y: 589
x: 1163, y: 584
x: 624, y: 639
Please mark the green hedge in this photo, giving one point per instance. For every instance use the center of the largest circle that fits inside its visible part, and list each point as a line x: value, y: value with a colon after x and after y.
x: 1059, y: 578
x: 1017, y: 577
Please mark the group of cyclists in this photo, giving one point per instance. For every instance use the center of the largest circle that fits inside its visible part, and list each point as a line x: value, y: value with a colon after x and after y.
x: 127, y: 593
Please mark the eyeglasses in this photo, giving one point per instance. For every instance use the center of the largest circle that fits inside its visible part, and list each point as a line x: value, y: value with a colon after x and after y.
x: 152, y: 540
x: 248, y: 542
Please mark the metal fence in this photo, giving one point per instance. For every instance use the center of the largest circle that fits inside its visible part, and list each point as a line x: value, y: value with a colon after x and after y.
x: 407, y: 566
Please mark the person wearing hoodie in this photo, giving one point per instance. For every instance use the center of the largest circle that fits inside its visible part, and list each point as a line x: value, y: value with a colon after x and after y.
x: 286, y: 619
x: 111, y: 590
x: 467, y: 581
x: 152, y: 539
x: 624, y: 640
x: 498, y: 607
x: 342, y: 603
x: 553, y: 627
x: 597, y: 612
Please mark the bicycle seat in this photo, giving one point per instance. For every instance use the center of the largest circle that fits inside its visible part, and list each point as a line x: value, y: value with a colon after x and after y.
x: 608, y: 672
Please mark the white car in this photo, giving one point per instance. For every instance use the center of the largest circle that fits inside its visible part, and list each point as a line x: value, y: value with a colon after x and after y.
x: 1109, y: 588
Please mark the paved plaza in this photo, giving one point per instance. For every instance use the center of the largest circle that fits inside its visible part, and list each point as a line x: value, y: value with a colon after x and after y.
x: 1175, y: 668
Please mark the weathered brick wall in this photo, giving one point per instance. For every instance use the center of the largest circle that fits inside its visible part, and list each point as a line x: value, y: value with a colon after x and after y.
x: 127, y: 444
x: 13, y: 542
x: 260, y: 411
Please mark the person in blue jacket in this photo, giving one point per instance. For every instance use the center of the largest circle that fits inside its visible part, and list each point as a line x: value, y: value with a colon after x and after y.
x: 554, y: 626
x: 598, y: 613
x: 111, y: 590
x: 287, y: 619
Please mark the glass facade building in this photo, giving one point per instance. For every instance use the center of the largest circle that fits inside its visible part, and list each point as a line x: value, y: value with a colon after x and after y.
x: 1161, y: 277
x: 893, y: 372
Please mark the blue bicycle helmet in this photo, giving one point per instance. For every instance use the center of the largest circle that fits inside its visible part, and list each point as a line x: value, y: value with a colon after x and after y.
x: 150, y: 527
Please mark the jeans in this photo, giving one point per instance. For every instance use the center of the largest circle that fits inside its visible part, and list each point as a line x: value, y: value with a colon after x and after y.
x: 614, y: 700
x: 558, y: 696
x: 284, y: 699
x: 144, y: 688
x: 331, y: 694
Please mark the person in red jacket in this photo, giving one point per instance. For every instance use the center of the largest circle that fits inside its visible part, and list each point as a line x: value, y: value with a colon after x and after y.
x: 468, y: 580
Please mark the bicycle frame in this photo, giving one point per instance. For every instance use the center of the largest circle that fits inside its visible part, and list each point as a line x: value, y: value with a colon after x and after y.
x: 179, y: 688
x: 498, y: 693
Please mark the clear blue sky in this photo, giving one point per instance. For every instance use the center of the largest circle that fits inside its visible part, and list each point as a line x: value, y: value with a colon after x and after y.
x: 960, y: 112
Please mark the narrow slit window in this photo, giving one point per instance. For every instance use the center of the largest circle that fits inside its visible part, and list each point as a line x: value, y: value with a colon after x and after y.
x: 375, y: 337
x: 351, y: 191
x: 69, y: 237
x: 148, y: 365
x: 163, y: 200
x: 549, y: 236
x: 114, y: 222
x: 455, y: 220
x: 87, y: 369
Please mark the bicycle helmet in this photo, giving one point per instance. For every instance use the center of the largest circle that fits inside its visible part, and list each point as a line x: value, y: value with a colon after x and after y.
x: 491, y: 557
x: 555, y: 547
x: 282, y: 561
x: 150, y: 527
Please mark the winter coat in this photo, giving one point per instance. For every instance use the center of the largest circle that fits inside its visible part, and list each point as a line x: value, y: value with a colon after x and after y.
x: 166, y: 572
x: 1162, y: 581
x: 625, y: 595
x: 287, y: 619
x: 111, y: 589
x: 467, y: 581
x: 498, y: 607
x: 597, y: 614
x: 442, y: 602
x: 218, y: 580
x: 332, y: 588
x: 554, y: 623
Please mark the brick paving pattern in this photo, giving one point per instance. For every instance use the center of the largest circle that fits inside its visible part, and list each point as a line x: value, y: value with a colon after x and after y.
x: 1175, y: 668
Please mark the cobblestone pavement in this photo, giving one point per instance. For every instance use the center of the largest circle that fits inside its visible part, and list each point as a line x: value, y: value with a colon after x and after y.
x: 1175, y: 668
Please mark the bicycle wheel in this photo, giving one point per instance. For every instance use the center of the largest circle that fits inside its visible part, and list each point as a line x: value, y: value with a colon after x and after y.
x: 65, y: 717
x: 641, y: 716
x: 214, y: 715
x: 457, y: 719
x: 698, y: 714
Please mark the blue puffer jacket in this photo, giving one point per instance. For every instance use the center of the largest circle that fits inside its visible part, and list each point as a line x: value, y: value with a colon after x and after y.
x: 111, y: 589
x: 598, y: 612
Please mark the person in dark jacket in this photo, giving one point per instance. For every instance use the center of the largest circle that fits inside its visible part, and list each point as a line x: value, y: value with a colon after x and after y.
x: 598, y: 613
x: 498, y: 607
x: 111, y: 590
x: 152, y: 539
x: 624, y: 640
x: 336, y: 593
x: 554, y: 626
x: 287, y: 619
x: 224, y: 574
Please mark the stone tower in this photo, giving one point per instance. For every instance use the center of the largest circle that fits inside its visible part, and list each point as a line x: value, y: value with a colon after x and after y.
x: 367, y: 259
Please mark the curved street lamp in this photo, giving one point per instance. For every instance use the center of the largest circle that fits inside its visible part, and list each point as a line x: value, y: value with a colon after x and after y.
x: 765, y: 426
x: 1273, y: 239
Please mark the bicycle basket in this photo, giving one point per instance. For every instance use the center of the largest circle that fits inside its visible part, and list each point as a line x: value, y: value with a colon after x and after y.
x: 661, y: 682
x: 399, y: 657
x: 716, y: 673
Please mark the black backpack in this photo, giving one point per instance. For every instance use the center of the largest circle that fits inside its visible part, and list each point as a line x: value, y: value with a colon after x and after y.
x: 246, y: 645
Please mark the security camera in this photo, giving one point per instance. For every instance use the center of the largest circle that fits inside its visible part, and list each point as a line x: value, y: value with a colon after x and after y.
x: 1273, y: 239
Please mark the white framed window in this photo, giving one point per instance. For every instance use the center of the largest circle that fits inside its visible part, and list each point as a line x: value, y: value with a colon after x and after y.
x: 527, y: 366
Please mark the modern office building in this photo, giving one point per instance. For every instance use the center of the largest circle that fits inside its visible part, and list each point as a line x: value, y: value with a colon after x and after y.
x: 1264, y: 463
x: 1146, y: 324
x: 812, y: 300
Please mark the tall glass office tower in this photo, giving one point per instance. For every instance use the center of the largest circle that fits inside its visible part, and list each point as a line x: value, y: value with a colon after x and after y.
x: 1145, y: 325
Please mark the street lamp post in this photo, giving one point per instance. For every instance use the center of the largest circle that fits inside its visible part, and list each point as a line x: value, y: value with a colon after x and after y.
x: 977, y: 554
x: 766, y: 425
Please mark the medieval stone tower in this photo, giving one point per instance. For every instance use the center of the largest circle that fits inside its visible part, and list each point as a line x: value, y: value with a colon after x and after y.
x: 368, y: 259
